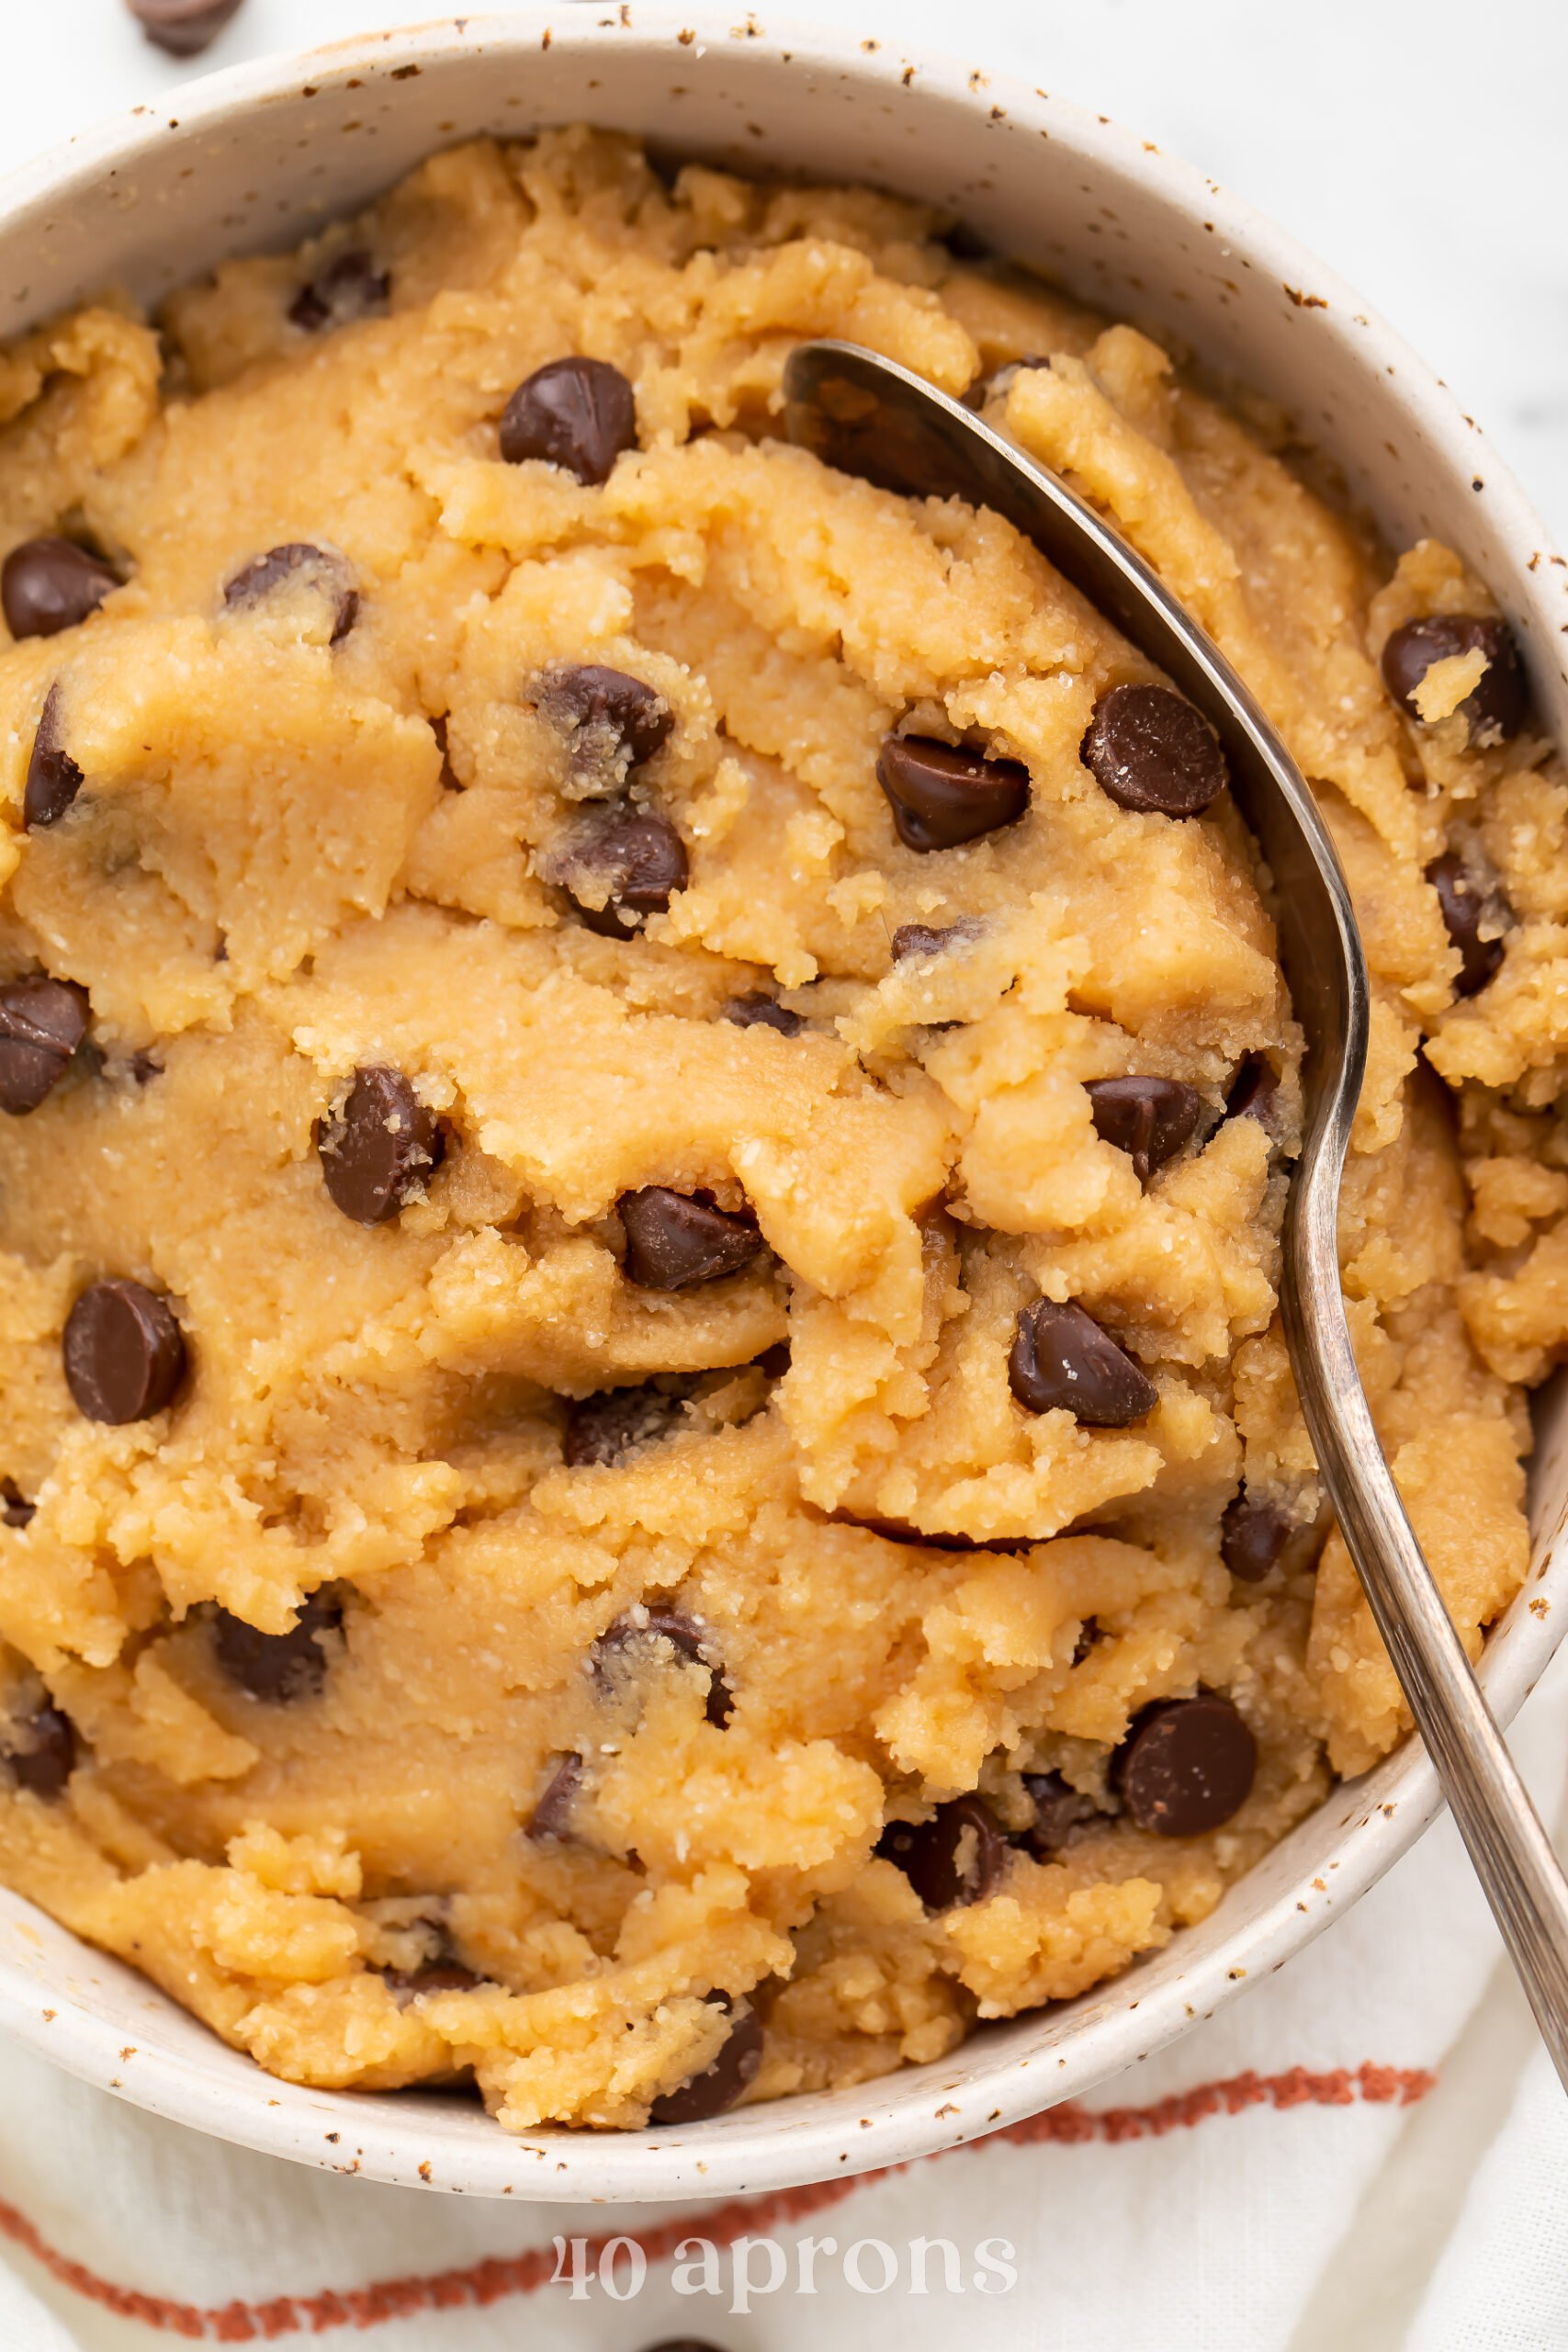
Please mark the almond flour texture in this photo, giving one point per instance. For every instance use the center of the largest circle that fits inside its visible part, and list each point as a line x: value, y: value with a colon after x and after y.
x: 626, y: 1472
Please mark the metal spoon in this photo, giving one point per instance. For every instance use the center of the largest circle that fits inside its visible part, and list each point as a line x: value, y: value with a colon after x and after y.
x: 868, y: 416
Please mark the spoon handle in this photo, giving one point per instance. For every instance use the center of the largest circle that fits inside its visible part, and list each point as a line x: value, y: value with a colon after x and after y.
x: 1512, y: 1854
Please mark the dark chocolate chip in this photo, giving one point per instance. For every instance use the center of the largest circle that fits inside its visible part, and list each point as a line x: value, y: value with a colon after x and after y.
x: 943, y: 794
x: 1148, y: 750
x: 15, y: 1509
x: 144, y: 1069
x: 49, y: 584
x: 580, y: 414
x: 649, y: 1638
x: 764, y: 1012
x: 955, y: 1857
x: 633, y: 865
x: 53, y: 777
x: 550, y: 1822
x: 1061, y: 1358
x: 184, y: 28
x: 1059, y: 1810
x: 1465, y: 907
x: 913, y: 939
x: 125, y: 1355
x: 321, y: 571
x: 618, y: 1421
x: 279, y: 1667
x: 1253, y: 1090
x: 673, y: 1240
x: 1498, y: 708
x: 1252, y: 1536
x: 380, y: 1144
x: 732, y: 2072
x: 613, y: 722
x: 349, y: 287
x: 41, y: 1025
x: 1148, y: 1118
x: 408, y: 1985
x: 43, y: 1756
x: 1186, y: 1766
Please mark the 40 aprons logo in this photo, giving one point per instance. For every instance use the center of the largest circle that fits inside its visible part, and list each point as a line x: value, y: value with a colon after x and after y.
x: 752, y: 2267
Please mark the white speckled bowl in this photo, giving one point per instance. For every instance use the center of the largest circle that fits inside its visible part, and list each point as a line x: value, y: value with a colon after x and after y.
x: 258, y: 156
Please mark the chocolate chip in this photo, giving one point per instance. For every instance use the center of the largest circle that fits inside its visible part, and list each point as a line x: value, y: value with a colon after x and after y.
x: 1059, y: 1810
x: 1186, y: 1766
x: 1148, y: 750
x: 382, y: 1143
x: 41, y: 1025
x: 1465, y: 907
x: 408, y: 1985
x: 184, y: 28
x: 279, y: 1667
x: 349, y: 287
x: 913, y: 939
x: 673, y: 1240
x: 125, y: 1353
x: 44, y: 1755
x: 580, y: 414
x: 752, y: 1012
x: 1499, y: 705
x: 1148, y: 1118
x: 450, y: 780
x: 633, y: 866
x: 15, y: 1509
x: 955, y: 1857
x: 618, y: 1421
x: 322, y: 571
x: 53, y: 777
x: 613, y: 721
x: 49, y: 584
x: 550, y: 1822
x: 1061, y: 1358
x: 1252, y: 1536
x: 942, y: 794
x: 651, y: 1638
x: 1253, y: 1090
x: 144, y: 1069
x: 716, y: 2090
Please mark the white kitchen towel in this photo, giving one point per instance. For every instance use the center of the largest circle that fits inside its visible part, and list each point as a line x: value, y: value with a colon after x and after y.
x: 1361, y: 2154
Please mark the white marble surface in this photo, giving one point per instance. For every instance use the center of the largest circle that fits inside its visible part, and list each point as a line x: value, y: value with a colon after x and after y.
x: 1410, y: 142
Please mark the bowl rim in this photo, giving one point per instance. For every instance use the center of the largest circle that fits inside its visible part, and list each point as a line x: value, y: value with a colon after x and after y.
x: 1049, y: 2054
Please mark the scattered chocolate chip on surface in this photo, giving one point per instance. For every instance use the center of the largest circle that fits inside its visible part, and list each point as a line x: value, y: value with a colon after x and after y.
x: 716, y: 2090
x: 1253, y: 1090
x: 279, y: 1668
x: 1148, y: 1118
x: 645, y: 1639
x: 124, y: 1352
x: 52, y: 583
x: 622, y: 873
x: 616, y: 1422
x: 15, y: 1509
x: 53, y: 778
x: 1186, y: 1766
x: 675, y: 1241
x: 1498, y: 708
x: 955, y: 1857
x: 918, y: 939
x: 578, y: 413
x: 759, y: 1011
x: 378, y: 1146
x: 942, y: 794
x: 184, y: 28
x: 300, y: 568
x: 42, y: 1022
x: 39, y: 1754
x: 612, y: 722
x: 349, y: 287
x: 1059, y: 1810
x: 1466, y: 907
x: 1253, y: 1533
x: 1062, y: 1359
x: 550, y: 1821
x: 1148, y: 750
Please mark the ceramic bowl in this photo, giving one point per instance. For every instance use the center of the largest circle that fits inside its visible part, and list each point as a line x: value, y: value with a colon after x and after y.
x: 259, y: 156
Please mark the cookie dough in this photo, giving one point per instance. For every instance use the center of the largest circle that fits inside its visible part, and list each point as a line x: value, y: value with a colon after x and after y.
x: 648, y: 1455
